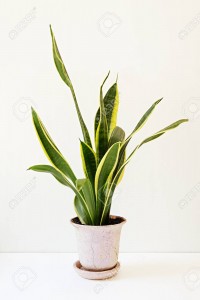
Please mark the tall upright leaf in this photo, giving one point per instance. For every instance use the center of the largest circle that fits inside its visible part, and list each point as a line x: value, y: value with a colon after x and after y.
x: 84, y: 185
x: 111, y: 103
x: 81, y: 212
x: 88, y: 161
x: 51, y: 151
x: 65, y: 77
x: 104, y: 175
x: 101, y: 138
x: 118, y: 135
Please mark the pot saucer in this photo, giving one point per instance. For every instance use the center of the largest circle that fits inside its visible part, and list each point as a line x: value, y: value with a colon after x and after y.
x: 95, y: 275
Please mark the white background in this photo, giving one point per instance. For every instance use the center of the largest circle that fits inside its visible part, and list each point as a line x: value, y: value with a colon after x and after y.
x: 154, y: 46
x: 142, y: 276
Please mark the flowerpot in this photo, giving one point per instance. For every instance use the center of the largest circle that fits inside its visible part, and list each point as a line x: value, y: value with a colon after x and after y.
x: 98, y: 246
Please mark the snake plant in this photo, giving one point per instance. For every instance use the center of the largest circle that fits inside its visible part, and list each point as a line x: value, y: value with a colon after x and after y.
x: 104, y: 163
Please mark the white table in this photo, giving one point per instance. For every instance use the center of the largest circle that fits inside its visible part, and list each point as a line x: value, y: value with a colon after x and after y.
x: 142, y: 276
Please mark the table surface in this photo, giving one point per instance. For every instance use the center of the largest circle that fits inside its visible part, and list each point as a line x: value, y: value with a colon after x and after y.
x: 142, y: 276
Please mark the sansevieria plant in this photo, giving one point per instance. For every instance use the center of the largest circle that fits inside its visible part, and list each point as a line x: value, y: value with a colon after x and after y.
x: 103, y: 163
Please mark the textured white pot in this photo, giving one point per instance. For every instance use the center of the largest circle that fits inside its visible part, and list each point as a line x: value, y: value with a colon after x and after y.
x: 98, y: 246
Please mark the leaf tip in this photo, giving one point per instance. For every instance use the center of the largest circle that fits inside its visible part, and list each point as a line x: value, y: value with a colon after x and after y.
x: 159, y: 100
x: 105, y: 79
x: 51, y: 31
x: 33, y: 111
x: 116, y: 78
x: 186, y: 120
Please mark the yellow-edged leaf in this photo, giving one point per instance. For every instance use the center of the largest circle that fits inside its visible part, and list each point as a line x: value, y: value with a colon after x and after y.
x: 119, y: 172
x: 80, y: 201
x: 104, y: 175
x: 111, y: 104
x: 65, y: 77
x: 85, y: 187
x: 50, y: 149
x: 101, y: 137
x: 88, y: 161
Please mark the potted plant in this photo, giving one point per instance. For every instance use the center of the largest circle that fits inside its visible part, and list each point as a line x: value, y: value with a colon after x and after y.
x: 98, y: 232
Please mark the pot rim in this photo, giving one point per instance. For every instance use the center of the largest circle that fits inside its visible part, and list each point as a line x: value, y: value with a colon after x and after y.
x: 122, y: 221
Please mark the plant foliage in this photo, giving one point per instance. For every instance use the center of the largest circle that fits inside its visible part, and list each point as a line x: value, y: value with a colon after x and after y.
x: 104, y: 164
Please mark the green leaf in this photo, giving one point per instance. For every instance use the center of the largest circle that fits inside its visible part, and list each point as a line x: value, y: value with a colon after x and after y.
x: 85, y: 188
x: 51, y: 151
x: 81, y: 212
x: 84, y: 185
x: 104, y: 175
x: 117, y: 176
x: 65, y: 77
x: 155, y: 136
x: 162, y: 131
x: 139, y: 125
x: 101, y: 141
x: 53, y: 171
x: 121, y: 162
x: 111, y: 103
x: 80, y: 183
x: 118, y: 135
x: 59, y: 62
x: 62, y: 179
x: 101, y: 138
x: 145, y: 117
x: 88, y: 161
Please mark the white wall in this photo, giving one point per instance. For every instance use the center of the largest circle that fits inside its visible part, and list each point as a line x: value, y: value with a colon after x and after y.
x: 154, y: 46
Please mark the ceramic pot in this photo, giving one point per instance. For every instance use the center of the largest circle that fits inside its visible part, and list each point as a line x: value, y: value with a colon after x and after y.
x: 98, y: 246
